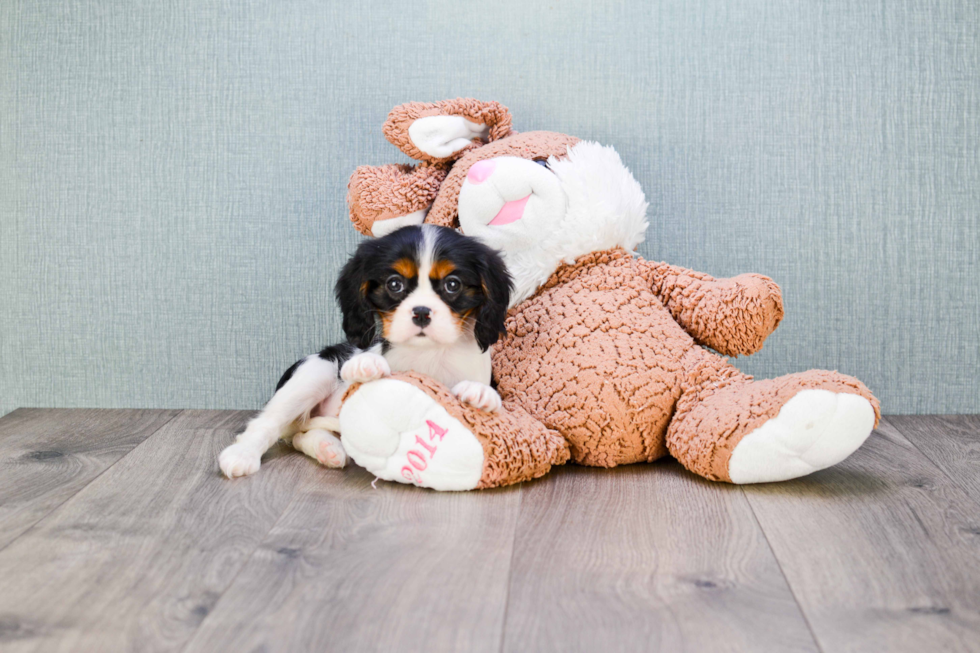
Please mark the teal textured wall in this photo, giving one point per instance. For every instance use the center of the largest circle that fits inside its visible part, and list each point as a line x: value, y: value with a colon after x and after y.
x: 172, y: 173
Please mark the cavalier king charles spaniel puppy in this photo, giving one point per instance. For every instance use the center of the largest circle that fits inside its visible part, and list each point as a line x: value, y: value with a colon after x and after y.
x: 422, y: 298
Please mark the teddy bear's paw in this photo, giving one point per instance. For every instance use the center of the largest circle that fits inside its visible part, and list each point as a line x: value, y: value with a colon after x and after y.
x: 813, y: 430
x: 476, y: 394
x: 322, y: 445
x: 399, y: 433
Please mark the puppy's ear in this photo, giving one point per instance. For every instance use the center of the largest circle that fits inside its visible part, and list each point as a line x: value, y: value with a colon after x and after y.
x: 360, y: 322
x: 442, y: 131
x: 385, y: 198
x: 497, y: 287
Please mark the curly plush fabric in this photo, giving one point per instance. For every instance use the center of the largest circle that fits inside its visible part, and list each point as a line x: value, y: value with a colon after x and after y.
x: 528, y: 145
x: 598, y: 355
x: 492, y: 114
x: 383, y: 192
x: 732, y: 316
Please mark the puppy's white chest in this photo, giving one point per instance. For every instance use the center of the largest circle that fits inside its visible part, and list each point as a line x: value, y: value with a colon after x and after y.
x: 449, y: 365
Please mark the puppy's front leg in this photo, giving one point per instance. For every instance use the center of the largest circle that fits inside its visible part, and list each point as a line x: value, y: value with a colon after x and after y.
x: 476, y: 394
x: 312, y: 381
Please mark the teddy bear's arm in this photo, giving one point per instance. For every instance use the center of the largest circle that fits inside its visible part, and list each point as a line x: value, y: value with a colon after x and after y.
x: 732, y: 316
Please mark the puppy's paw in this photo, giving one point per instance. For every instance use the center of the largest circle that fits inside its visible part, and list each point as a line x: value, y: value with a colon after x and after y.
x: 239, y: 460
x: 365, y: 367
x: 331, y: 454
x: 322, y: 445
x: 476, y: 394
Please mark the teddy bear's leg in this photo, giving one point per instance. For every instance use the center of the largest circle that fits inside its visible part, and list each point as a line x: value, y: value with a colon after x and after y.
x: 410, y: 429
x: 772, y: 430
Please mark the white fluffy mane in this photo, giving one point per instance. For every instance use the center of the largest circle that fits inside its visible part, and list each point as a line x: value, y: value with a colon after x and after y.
x: 606, y: 209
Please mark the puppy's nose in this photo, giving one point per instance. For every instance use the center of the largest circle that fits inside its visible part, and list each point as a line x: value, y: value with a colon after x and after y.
x: 480, y: 171
x: 421, y: 316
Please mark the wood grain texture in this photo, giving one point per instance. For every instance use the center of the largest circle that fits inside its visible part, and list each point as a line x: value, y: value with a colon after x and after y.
x: 160, y: 553
x: 353, y: 568
x: 881, y: 551
x: 952, y: 442
x: 46, y: 456
x: 138, y: 558
x: 649, y: 558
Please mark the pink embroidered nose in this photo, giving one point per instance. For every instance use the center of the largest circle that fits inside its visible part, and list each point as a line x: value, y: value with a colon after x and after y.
x: 480, y: 171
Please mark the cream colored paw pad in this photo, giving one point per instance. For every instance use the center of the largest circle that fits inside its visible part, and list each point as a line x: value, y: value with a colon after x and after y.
x: 813, y: 430
x: 398, y: 433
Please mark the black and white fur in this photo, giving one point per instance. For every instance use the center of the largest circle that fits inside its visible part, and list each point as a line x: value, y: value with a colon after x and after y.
x: 423, y: 299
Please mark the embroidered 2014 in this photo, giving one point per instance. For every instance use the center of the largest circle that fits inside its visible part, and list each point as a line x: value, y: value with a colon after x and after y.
x: 417, y: 461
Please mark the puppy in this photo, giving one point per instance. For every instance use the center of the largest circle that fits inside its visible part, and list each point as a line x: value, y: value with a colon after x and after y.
x: 422, y: 298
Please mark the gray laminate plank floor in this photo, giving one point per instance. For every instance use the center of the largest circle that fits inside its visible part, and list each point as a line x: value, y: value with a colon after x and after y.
x: 119, y: 534
x: 950, y: 441
x: 645, y: 557
x: 138, y: 557
x: 385, y: 568
x: 47, y: 455
x: 882, y: 551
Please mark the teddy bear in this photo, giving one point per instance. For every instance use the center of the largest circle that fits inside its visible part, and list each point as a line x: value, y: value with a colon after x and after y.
x: 608, y: 359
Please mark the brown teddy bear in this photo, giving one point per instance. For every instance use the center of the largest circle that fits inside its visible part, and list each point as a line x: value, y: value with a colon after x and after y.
x: 607, y: 358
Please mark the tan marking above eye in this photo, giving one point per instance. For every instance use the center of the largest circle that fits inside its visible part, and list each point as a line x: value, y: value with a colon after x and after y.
x: 441, y: 269
x: 405, y: 267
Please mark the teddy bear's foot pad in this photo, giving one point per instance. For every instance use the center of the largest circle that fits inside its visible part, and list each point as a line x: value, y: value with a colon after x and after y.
x: 813, y: 430
x: 399, y: 433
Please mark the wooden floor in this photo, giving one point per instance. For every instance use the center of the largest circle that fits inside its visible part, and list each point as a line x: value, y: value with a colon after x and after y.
x: 117, y: 533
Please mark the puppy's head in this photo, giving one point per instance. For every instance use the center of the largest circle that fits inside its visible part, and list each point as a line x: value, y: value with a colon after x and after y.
x: 424, y: 286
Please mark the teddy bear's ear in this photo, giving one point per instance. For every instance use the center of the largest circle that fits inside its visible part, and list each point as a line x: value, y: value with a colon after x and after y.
x: 385, y: 198
x: 442, y: 131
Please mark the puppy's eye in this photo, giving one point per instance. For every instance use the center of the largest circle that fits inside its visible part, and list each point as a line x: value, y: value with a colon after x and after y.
x: 452, y: 285
x: 395, y: 284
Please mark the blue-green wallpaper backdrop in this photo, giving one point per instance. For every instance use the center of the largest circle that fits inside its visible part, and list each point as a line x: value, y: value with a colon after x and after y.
x: 172, y: 173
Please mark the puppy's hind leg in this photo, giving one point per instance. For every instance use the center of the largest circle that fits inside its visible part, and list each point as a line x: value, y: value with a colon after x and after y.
x: 313, y: 380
